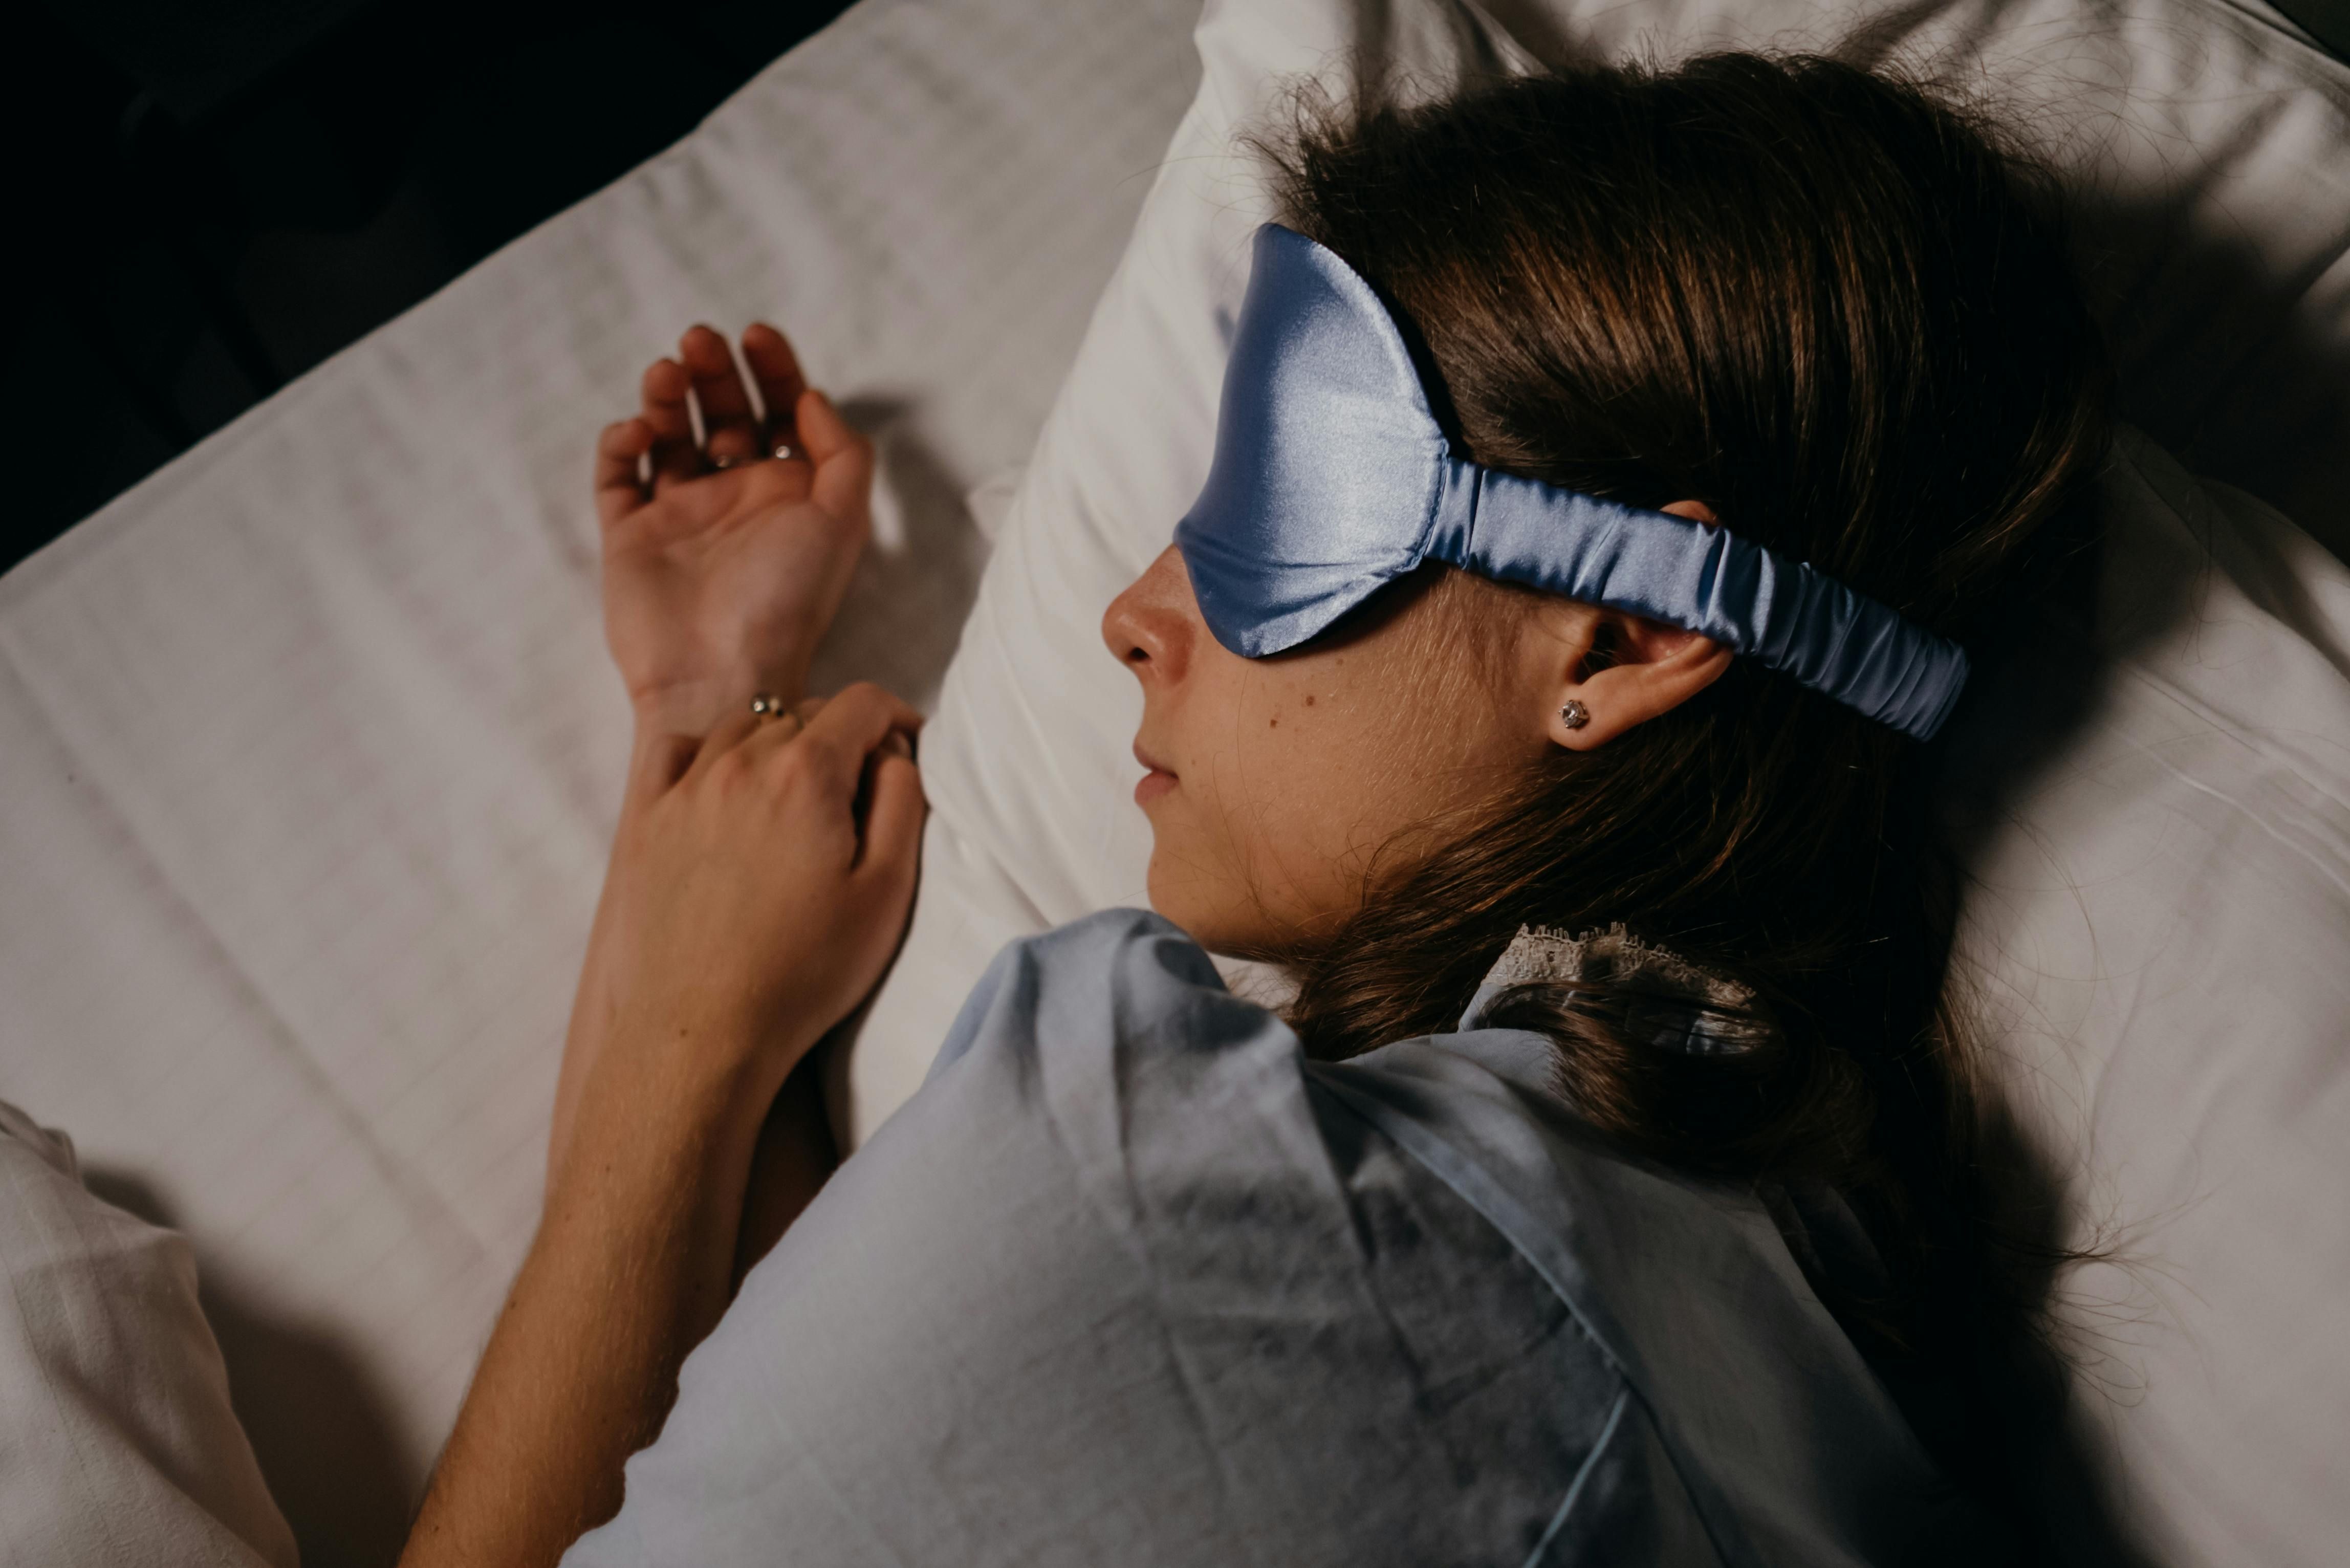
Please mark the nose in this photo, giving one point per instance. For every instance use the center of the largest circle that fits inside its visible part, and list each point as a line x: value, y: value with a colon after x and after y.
x: 1152, y: 627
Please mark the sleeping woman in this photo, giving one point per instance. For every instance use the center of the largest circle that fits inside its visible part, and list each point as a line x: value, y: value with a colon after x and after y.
x: 1614, y: 473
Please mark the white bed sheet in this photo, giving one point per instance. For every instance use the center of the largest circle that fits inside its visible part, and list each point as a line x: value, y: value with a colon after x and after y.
x: 309, y: 749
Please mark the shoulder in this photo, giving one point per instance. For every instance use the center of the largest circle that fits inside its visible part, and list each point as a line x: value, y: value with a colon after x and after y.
x: 1130, y: 1280
x: 1113, y: 1046
x: 1122, y: 1283
x: 1120, y: 1007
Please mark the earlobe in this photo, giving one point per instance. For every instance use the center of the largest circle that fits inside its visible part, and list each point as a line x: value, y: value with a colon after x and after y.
x: 1646, y: 668
x: 1660, y: 668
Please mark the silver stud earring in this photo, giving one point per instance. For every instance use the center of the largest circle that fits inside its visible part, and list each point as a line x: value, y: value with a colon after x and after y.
x: 1575, y: 715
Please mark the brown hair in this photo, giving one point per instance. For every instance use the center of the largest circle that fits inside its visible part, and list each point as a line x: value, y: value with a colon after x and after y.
x: 1835, y: 311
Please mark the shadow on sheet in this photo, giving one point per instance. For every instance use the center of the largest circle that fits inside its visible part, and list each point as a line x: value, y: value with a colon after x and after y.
x: 323, y: 1431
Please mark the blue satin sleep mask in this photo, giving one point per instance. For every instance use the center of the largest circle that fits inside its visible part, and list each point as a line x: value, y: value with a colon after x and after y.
x: 1332, y: 478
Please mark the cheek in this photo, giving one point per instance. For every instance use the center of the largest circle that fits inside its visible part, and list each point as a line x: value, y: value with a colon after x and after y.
x: 1272, y: 769
x: 1304, y: 773
x: 1340, y: 757
x: 1296, y: 772
x: 1236, y: 839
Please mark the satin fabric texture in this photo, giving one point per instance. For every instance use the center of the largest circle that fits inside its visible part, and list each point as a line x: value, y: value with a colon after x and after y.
x: 1331, y: 478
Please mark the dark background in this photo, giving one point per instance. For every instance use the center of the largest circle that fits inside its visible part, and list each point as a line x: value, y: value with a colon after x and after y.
x: 213, y: 195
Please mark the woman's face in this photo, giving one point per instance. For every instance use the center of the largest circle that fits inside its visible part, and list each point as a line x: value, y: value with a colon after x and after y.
x: 1273, y: 784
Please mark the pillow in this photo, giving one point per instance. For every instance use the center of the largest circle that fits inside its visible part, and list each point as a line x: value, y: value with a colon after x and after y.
x: 120, y: 1444
x: 2158, y: 939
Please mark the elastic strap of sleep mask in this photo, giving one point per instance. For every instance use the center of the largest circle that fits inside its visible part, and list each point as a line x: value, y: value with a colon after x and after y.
x: 1332, y: 478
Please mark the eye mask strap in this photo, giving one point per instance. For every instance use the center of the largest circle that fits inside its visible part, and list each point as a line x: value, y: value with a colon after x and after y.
x: 1703, y: 579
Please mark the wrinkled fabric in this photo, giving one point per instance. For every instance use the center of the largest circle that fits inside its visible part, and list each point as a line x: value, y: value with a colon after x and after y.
x: 1331, y: 478
x: 1129, y: 1280
x: 117, y: 1444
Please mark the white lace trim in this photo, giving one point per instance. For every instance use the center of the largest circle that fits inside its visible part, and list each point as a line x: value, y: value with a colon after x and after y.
x: 1673, y: 1003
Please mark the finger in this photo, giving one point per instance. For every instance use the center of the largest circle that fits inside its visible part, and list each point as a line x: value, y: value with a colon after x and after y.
x: 773, y: 738
x: 730, y: 430
x: 619, y: 451
x: 843, y: 457
x: 740, y: 727
x: 782, y: 729
x: 894, y: 812
x: 851, y: 725
x: 675, y: 458
x: 861, y: 714
x: 776, y: 369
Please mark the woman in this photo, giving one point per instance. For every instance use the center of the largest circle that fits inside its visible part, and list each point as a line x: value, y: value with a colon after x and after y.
x: 1610, y: 470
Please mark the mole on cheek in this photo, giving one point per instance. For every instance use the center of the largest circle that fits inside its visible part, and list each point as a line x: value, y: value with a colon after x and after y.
x: 1309, y: 699
x: 1276, y: 723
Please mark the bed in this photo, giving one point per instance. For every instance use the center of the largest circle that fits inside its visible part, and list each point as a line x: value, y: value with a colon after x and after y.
x: 308, y: 744
x: 309, y: 750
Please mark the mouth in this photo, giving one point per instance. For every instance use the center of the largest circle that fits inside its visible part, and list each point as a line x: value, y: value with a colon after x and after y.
x: 1156, y: 778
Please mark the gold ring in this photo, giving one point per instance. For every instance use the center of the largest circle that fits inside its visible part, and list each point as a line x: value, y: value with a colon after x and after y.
x: 766, y: 705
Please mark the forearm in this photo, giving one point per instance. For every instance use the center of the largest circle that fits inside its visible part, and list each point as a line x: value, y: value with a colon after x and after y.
x: 631, y: 1268
x: 592, y: 1009
x: 795, y: 1155
x: 659, y: 750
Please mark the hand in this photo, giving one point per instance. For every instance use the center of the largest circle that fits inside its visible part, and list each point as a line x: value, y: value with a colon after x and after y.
x: 760, y: 882
x: 722, y: 569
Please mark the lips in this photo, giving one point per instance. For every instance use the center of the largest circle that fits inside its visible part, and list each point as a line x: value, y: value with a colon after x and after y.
x: 1157, y: 777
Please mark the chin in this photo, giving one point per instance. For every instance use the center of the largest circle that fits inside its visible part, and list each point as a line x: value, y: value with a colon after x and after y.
x: 1178, y: 898
x: 1170, y: 902
x: 1221, y: 918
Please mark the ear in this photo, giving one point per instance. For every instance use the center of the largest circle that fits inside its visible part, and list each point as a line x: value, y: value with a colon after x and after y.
x: 1648, y: 667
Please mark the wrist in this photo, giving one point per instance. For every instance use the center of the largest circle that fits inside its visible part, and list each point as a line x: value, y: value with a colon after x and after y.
x: 687, y: 709
x: 694, y: 707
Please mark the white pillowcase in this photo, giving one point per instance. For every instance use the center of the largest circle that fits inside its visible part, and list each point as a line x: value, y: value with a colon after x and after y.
x: 2160, y: 936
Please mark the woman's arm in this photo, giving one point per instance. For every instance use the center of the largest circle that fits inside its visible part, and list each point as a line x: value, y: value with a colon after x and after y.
x: 763, y: 909
x: 760, y: 880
